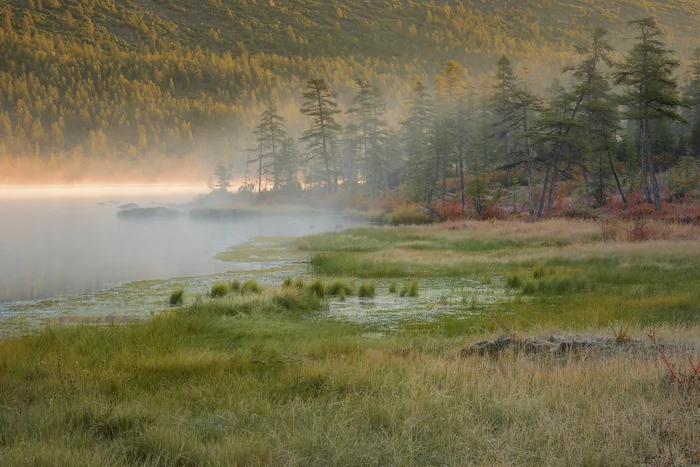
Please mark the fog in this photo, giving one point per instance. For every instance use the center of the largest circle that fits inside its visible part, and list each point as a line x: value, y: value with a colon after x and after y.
x: 57, y: 241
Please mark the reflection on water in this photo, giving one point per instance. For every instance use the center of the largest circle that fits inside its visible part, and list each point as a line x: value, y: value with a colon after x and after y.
x: 65, y: 245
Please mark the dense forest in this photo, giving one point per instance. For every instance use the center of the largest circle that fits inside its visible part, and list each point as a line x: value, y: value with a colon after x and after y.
x: 417, y: 93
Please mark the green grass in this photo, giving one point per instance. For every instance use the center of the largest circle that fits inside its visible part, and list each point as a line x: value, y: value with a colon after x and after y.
x: 318, y: 288
x: 250, y: 380
x: 272, y: 378
x: 339, y: 286
x: 367, y: 290
x: 219, y: 290
x: 251, y: 286
x: 409, y: 289
x: 177, y: 297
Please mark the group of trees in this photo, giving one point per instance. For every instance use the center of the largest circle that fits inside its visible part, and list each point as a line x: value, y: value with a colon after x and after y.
x: 613, y: 128
x: 101, y: 81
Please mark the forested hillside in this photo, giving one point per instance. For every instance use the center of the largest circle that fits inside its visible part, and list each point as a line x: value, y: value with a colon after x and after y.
x: 88, y: 84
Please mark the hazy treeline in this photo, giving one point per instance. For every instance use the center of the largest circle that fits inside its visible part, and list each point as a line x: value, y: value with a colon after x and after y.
x: 108, y: 82
x: 610, y: 124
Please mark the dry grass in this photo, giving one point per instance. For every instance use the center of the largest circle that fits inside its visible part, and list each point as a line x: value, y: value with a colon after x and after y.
x: 259, y: 379
x: 642, y: 230
x: 280, y: 397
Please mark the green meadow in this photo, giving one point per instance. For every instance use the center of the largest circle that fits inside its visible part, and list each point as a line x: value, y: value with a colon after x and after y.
x: 290, y: 373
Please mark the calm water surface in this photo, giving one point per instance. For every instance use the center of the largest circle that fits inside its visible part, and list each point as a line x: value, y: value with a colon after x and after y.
x: 66, y: 242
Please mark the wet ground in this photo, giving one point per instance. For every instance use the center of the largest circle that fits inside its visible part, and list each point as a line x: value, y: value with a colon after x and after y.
x: 268, y: 260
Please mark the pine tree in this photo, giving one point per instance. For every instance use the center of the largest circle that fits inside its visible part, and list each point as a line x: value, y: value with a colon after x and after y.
x: 368, y: 107
x: 321, y: 107
x: 505, y: 82
x: 692, y: 95
x: 651, y: 94
x: 599, y: 108
x: 516, y: 109
x: 272, y: 136
x: 558, y: 132
x: 417, y: 135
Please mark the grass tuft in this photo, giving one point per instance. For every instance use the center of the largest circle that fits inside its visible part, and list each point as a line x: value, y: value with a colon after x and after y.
x: 236, y: 285
x: 177, y: 297
x: 538, y: 271
x: 251, y: 286
x: 219, y: 290
x: 339, y: 286
x: 367, y: 290
x: 318, y: 288
x: 410, y: 289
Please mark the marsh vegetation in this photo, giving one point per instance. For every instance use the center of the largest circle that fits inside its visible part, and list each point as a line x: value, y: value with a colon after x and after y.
x: 275, y: 377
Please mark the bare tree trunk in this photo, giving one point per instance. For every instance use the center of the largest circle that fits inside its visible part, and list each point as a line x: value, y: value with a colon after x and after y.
x: 461, y: 156
x: 552, y: 185
x: 530, y: 201
x: 642, y: 163
x: 544, y: 185
x: 652, y: 170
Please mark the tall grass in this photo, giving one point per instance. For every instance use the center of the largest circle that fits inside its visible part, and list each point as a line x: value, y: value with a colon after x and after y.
x: 177, y: 297
x: 367, y: 290
x: 409, y: 289
x: 219, y: 290
x: 266, y: 378
x: 198, y: 387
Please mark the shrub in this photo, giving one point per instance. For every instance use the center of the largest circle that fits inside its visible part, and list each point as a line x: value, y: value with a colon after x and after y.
x: 177, y: 297
x: 408, y: 215
x: 251, y: 286
x: 219, y: 290
x: 639, y: 231
x: 318, y: 288
x: 367, y: 290
x: 338, y: 286
x: 410, y: 289
x: 236, y: 285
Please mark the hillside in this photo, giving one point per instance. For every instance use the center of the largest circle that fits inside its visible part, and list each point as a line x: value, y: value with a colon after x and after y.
x: 121, y: 81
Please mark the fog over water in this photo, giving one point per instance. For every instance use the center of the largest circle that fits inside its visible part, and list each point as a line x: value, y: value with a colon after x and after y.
x: 56, y: 243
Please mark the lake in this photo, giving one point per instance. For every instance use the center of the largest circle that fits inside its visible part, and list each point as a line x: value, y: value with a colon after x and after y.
x: 59, y: 241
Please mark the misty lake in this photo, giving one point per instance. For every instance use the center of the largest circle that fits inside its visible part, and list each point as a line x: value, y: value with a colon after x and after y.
x: 67, y: 242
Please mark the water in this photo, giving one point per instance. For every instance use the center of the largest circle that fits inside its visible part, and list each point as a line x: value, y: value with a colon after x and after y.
x: 60, y: 242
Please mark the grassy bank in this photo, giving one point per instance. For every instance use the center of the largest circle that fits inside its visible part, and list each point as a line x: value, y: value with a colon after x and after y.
x: 265, y: 377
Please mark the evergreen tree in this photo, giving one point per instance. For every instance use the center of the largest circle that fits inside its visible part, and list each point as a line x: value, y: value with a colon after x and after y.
x: 417, y: 135
x: 599, y: 109
x: 692, y: 95
x: 321, y: 107
x: 651, y: 94
x: 273, y: 135
x: 368, y: 107
x: 516, y: 109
